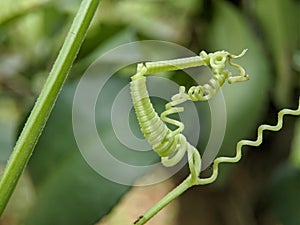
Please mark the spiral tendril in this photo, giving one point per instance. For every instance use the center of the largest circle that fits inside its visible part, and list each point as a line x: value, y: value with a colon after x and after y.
x: 257, y: 142
x: 172, y: 145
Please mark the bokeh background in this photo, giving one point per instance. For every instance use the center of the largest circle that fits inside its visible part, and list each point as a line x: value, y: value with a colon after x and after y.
x: 58, y: 187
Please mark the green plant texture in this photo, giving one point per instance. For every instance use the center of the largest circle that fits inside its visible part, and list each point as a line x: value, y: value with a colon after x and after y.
x: 44, y: 104
x: 193, y: 179
x: 172, y: 145
x: 42, y: 172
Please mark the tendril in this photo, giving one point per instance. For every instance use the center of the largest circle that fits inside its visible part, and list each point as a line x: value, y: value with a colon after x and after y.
x: 172, y: 145
x: 190, y: 181
x: 255, y: 143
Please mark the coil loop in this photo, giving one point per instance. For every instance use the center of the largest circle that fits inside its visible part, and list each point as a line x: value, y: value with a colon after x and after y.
x: 217, y: 63
x: 170, y: 145
x: 207, y: 91
x: 183, y: 146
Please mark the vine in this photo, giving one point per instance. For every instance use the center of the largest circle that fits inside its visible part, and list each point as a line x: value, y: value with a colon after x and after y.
x: 172, y: 145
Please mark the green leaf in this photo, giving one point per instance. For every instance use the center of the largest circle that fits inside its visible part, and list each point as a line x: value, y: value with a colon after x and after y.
x: 285, y: 194
x: 8, y: 123
x: 74, y: 194
x: 110, y: 41
x: 69, y: 191
x: 280, y: 26
x: 295, y: 150
x: 246, y: 101
x: 164, y: 20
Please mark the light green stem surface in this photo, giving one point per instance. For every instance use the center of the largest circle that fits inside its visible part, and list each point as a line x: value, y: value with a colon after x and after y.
x: 191, y: 181
x: 186, y: 184
x: 45, y: 102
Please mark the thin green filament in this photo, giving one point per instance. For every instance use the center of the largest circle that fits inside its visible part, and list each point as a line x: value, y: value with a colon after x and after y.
x: 172, y: 145
x: 190, y: 181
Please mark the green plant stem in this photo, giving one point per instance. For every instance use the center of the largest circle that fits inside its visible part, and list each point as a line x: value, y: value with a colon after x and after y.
x: 45, y: 102
x: 186, y: 184
x: 191, y: 181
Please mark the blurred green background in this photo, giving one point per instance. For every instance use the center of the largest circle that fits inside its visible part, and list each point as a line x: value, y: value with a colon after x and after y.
x: 58, y: 186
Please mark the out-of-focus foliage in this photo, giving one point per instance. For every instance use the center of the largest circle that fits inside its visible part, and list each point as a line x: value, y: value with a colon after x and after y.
x: 285, y: 191
x: 63, y: 174
x: 231, y: 31
x: 31, y: 33
x: 279, y: 22
x: 8, y: 124
x: 295, y: 154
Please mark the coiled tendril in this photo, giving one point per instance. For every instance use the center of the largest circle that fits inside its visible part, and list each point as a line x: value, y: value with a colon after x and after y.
x: 172, y: 145
x: 191, y: 181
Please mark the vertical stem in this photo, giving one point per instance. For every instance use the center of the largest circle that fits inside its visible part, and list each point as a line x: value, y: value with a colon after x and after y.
x: 45, y: 102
